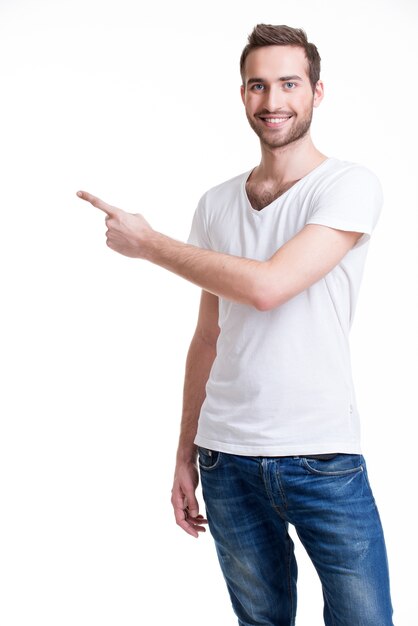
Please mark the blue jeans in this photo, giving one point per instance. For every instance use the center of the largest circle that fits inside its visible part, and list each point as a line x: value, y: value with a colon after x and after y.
x: 250, y: 502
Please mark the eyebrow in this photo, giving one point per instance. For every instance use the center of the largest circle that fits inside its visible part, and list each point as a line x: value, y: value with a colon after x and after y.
x: 251, y: 81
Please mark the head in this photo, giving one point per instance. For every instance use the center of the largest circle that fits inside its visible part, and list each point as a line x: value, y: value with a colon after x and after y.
x: 280, y: 83
x: 268, y: 35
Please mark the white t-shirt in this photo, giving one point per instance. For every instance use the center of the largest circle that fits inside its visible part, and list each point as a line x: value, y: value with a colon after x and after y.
x: 281, y: 382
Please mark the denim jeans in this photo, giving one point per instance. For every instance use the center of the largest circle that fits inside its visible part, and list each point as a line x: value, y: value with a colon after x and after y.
x: 250, y: 502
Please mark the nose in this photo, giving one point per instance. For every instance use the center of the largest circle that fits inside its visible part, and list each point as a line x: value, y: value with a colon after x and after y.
x: 274, y: 98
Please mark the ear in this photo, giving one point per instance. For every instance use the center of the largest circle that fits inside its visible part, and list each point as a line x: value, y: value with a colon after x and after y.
x: 243, y: 93
x: 318, y: 93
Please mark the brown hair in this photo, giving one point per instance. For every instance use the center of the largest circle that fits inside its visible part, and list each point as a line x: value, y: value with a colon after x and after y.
x: 269, y: 35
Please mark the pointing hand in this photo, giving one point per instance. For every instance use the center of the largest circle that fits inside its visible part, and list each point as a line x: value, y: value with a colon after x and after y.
x: 126, y: 232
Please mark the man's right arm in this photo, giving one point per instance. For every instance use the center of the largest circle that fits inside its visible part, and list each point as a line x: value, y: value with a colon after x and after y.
x: 199, y: 361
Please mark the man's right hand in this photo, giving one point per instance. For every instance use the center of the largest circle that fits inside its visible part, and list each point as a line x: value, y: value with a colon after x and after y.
x: 183, y: 499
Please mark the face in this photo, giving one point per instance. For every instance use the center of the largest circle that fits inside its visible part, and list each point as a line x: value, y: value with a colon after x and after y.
x: 277, y: 94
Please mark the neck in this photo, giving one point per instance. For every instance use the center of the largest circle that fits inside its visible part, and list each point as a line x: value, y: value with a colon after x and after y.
x: 290, y: 162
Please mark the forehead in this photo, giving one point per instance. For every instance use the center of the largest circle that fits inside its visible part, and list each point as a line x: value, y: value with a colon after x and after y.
x: 269, y: 62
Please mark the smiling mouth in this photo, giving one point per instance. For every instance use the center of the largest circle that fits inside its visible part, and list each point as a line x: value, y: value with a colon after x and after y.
x: 275, y: 121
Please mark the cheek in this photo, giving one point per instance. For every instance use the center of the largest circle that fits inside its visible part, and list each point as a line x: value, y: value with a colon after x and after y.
x: 254, y: 101
x: 302, y: 102
x: 250, y: 106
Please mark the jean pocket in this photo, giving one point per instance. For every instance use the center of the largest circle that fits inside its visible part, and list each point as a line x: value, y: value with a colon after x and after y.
x: 340, y: 465
x: 208, y: 459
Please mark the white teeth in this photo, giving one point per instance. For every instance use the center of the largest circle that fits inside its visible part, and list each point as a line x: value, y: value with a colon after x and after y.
x: 276, y: 120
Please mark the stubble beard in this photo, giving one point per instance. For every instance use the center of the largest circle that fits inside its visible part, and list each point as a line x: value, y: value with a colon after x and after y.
x: 274, y: 139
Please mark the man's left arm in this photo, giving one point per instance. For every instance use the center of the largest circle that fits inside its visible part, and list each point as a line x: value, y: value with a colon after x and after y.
x: 295, y: 266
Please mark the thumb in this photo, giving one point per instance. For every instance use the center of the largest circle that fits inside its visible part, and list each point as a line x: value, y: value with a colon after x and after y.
x: 192, y: 504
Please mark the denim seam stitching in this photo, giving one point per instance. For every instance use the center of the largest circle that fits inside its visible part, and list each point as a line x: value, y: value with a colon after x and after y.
x: 313, y: 470
x: 330, y: 612
x: 278, y: 478
x: 289, y: 581
x: 211, y: 467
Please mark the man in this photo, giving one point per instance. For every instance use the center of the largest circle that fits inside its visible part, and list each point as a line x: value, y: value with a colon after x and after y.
x: 268, y: 397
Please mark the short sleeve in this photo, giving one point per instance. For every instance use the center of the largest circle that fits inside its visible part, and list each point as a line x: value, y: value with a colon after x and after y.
x: 352, y: 200
x: 199, y: 235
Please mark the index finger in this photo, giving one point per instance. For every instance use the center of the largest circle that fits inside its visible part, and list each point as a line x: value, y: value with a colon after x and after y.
x: 99, y: 204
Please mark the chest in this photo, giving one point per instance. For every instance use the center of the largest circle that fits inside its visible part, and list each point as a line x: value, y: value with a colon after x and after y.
x: 236, y: 228
x: 261, y: 195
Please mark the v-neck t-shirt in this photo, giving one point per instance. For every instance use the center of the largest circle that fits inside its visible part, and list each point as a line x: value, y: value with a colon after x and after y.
x: 281, y: 382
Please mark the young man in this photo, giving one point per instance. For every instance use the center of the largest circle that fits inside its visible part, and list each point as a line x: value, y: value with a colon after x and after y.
x: 269, y: 402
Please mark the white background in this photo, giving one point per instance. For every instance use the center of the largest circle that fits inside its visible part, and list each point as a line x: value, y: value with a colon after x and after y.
x: 140, y: 105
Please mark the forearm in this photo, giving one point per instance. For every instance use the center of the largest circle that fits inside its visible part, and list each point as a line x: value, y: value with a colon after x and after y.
x: 227, y: 276
x: 231, y: 277
x: 303, y: 260
x: 198, y: 364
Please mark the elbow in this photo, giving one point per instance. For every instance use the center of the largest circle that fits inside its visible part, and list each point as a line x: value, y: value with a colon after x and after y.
x: 267, y: 290
x: 264, y: 303
x: 260, y: 303
x: 266, y: 299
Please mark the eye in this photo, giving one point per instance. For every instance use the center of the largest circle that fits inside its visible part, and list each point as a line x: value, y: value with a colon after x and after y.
x: 257, y: 87
x: 290, y: 85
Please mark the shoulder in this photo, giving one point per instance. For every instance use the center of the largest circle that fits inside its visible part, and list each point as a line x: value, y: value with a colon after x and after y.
x: 346, y: 182
x: 348, y: 196
x: 347, y: 173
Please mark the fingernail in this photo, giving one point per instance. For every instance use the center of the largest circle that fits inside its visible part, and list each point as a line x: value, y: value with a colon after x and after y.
x: 79, y: 193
